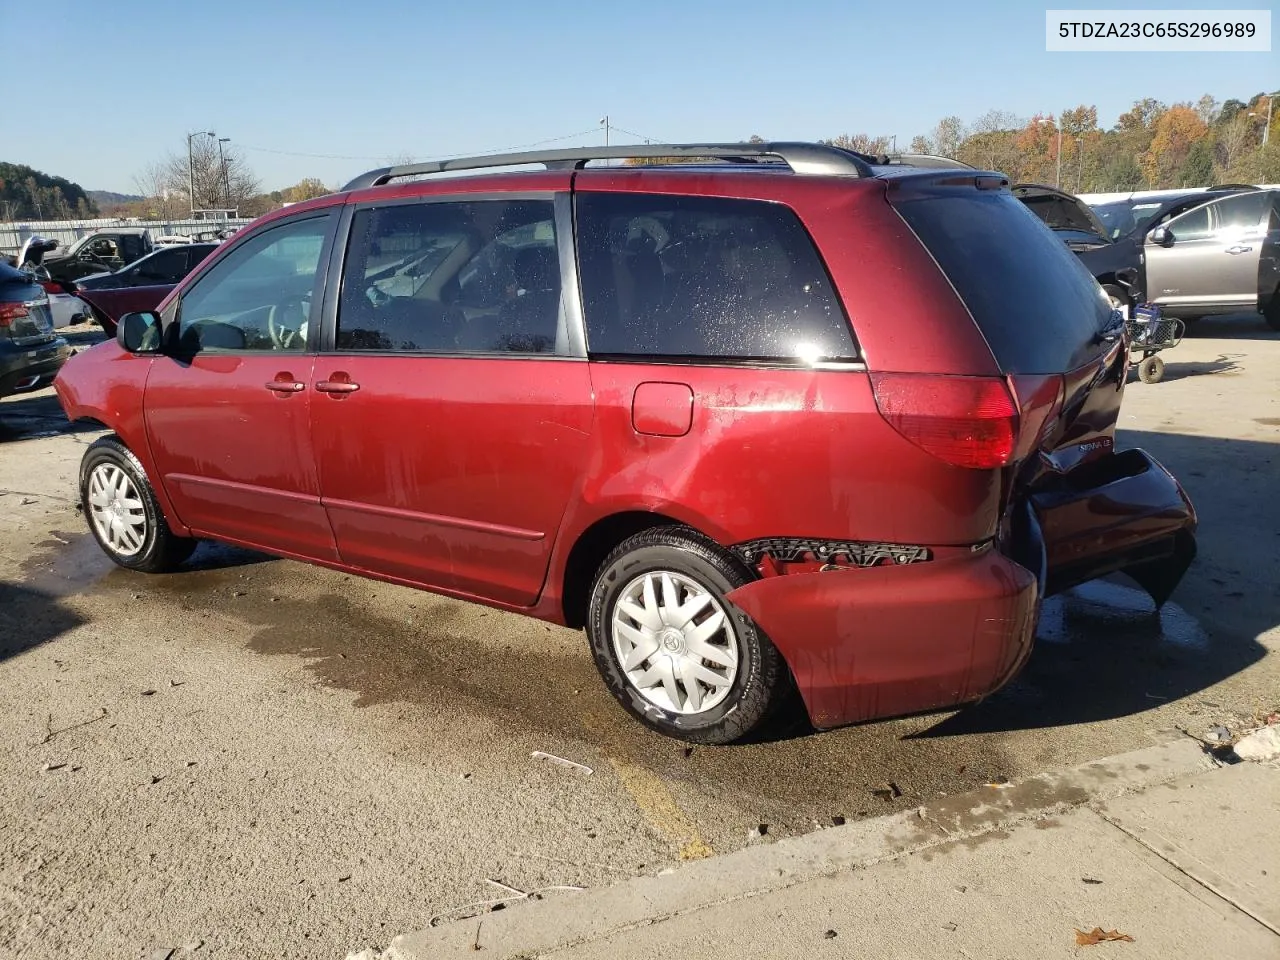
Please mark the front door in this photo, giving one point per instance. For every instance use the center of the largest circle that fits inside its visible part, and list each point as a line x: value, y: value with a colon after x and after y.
x: 227, y: 406
x: 1211, y: 262
x: 452, y: 409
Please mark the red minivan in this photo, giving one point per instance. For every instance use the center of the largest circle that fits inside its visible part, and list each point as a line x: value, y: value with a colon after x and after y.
x: 781, y: 417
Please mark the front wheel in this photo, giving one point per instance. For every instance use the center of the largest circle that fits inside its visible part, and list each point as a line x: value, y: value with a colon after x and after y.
x: 1117, y: 296
x: 673, y: 651
x: 1272, y: 313
x: 123, y: 513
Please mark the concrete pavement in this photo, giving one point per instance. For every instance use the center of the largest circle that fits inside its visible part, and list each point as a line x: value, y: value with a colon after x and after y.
x: 1161, y: 845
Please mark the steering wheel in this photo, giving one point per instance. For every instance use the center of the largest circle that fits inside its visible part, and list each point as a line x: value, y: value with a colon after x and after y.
x: 284, y: 336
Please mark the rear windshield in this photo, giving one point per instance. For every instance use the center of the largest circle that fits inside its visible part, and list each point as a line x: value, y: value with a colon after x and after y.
x: 1037, y: 306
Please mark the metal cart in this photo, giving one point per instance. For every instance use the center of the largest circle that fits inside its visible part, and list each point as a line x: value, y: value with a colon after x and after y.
x: 1148, y: 333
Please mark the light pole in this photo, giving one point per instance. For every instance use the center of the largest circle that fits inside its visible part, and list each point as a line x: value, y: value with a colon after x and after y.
x: 1267, y: 129
x: 222, y: 162
x: 1079, y: 163
x: 604, y: 122
x: 1058, y: 124
x: 191, y: 175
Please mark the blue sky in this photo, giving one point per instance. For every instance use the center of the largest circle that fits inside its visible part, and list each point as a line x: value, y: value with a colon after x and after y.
x: 374, y: 80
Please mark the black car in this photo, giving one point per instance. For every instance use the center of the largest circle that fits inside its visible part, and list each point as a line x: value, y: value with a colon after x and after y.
x: 1115, y: 262
x: 31, y: 353
x: 166, y: 265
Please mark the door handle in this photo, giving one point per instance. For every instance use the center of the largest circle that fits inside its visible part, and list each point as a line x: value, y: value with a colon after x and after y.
x: 337, y: 386
x: 285, y: 384
x: 1239, y: 248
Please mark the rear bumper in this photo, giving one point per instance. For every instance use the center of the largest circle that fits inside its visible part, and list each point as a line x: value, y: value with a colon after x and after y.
x: 31, y: 368
x: 885, y: 641
x: 1124, y: 512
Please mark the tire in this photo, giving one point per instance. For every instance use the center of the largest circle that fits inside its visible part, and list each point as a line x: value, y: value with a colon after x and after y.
x: 1151, y: 369
x: 1118, y: 297
x: 113, y: 486
x: 1272, y: 313
x: 681, y: 564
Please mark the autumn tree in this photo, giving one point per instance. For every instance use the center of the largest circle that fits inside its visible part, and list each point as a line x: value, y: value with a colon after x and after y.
x: 305, y: 189
x: 1173, y: 135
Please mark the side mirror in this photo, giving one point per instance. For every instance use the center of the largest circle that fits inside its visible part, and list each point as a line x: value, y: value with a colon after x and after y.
x: 1163, y: 236
x: 139, y: 332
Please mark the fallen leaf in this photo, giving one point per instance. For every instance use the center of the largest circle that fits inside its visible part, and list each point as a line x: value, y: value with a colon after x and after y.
x: 1098, y: 935
x: 1089, y: 880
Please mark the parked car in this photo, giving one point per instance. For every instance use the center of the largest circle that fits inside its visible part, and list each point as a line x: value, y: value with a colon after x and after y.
x: 1220, y: 257
x: 771, y: 424
x: 31, y: 353
x: 139, y: 286
x: 102, y: 250
x: 1115, y: 262
x: 65, y: 308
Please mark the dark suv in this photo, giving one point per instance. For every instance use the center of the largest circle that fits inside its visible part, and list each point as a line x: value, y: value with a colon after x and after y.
x: 778, y: 418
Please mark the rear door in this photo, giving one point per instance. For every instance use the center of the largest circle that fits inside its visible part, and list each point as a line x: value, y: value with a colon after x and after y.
x: 452, y: 408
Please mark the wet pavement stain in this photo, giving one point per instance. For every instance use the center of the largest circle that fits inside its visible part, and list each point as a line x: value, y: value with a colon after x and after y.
x: 1103, y: 652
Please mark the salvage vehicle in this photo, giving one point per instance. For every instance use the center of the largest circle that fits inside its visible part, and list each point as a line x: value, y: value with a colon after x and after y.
x: 763, y: 422
x: 1115, y: 262
x: 139, y: 286
x: 103, y: 250
x: 31, y: 352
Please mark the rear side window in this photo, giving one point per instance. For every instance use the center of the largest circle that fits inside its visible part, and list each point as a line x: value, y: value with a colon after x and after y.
x: 452, y: 277
x: 704, y: 278
x: 1035, y: 303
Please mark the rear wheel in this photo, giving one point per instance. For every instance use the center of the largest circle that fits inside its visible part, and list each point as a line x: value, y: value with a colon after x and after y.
x: 673, y: 651
x: 123, y: 513
x: 1150, y: 370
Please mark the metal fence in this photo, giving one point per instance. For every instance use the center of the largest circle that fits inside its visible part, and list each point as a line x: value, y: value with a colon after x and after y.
x: 66, y: 232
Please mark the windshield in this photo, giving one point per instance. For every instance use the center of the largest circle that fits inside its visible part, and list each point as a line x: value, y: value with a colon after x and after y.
x: 1126, y: 216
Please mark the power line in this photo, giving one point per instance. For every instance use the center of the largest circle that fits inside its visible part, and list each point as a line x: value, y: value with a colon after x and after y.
x: 638, y: 136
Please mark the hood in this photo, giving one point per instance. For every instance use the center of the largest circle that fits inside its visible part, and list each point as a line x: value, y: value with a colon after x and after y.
x: 1060, y: 210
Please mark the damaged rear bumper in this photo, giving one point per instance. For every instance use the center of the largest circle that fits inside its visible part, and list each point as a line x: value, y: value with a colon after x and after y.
x: 1123, y: 513
x: 884, y: 641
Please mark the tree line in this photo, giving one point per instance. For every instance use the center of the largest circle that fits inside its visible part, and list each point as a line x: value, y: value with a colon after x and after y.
x: 28, y: 194
x: 1152, y: 146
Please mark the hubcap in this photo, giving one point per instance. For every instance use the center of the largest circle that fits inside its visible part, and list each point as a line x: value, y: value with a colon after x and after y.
x: 675, y: 642
x: 116, y: 511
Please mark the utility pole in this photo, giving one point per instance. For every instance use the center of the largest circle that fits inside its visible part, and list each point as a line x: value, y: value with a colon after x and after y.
x: 1080, y: 164
x: 604, y: 122
x: 226, y: 181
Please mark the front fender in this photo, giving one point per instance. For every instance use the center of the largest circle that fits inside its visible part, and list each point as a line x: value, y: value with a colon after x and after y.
x: 106, y: 384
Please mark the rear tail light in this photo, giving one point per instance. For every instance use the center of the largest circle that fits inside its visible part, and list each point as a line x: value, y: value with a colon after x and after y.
x: 51, y: 286
x: 10, y: 312
x: 964, y: 421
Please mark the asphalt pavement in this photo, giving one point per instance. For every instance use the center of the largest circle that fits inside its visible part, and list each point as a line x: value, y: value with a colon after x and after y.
x: 268, y: 758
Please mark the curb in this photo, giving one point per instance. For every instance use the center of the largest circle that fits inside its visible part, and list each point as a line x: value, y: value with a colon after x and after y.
x: 571, y: 919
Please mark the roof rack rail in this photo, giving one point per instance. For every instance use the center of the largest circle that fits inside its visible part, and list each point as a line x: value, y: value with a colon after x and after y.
x: 1234, y: 186
x: 926, y: 160
x: 807, y: 159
